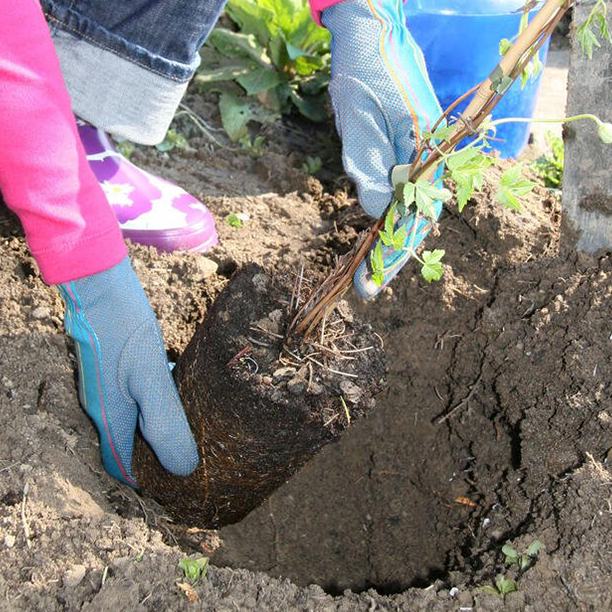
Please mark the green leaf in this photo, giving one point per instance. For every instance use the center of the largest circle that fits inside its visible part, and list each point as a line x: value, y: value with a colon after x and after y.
x: 467, y: 170
x: 216, y: 67
x: 399, y: 238
x: 513, y: 186
x: 376, y: 258
x: 235, y: 44
x: 260, y: 80
x: 314, y: 84
x: 534, y: 548
x: 432, y: 269
x: 505, y: 585
x: 125, y: 147
x: 295, y: 52
x: 312, y: 107
x: 277, y: 99
x: 549, y: 167
x: 409, y: 194
x: 463, y: 192
x: 281, y: 37
x: 173, y: 140
x: 233, y: 220
x: 588, y: 41
x: 491, y: 590
x: 194, y: 569
x: 278, y: 52
x: 426, y: 194
x: 444, y: 133
x: 235, y: 115
x: 504, y: 46
x: 463, y: 158
x: 386, y: 237
x: 378, y: 278
x: 315, y: 38
x: 306, y: 65
x: 509, y: 551
x: 252, y: 19
x: 312, y: 164
x: 585, y: 35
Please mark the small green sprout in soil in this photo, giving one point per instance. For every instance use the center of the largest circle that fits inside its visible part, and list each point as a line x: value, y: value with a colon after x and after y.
x: 173, y: 140
x: 522, y: 560
x: 255, y: 147
x: 234, y: 220
x: 125, y: 147
x: 502, y: 587
x: 312, y: 165
x: 193, y: 569
x: 549, y: 167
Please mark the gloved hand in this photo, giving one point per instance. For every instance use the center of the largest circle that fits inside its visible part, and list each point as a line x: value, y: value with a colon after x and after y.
x: 382, y: 100
x: 123, y: 372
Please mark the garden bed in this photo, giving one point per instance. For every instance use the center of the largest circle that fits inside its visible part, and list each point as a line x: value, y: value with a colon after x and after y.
x: 495, y: 427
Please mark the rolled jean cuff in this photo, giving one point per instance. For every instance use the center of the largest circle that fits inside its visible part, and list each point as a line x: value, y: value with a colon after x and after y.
x: 118, y: 95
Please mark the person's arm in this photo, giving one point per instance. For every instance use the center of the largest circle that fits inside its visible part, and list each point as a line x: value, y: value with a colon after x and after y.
x: 73, y: 234
x: 44, y: 175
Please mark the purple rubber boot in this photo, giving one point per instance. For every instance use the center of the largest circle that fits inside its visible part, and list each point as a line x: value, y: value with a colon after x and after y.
x: 150, y: 210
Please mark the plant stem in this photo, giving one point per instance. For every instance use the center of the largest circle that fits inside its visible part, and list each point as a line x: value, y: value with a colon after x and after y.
x: 562, y: 120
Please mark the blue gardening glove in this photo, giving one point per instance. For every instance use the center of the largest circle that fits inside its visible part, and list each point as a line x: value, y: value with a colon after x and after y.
x: 382, y: 100
x: 123, y: 372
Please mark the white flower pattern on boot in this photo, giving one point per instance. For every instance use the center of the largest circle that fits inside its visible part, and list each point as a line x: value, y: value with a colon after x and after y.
x: 118, y: 194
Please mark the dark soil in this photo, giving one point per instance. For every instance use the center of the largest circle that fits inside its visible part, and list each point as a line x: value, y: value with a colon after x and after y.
x: 496, y: 427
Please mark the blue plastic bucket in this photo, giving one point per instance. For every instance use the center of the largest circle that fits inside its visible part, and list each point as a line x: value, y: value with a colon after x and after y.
x: 460, y: 41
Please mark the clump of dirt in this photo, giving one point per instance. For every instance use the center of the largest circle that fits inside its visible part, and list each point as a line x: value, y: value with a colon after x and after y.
x: 496, y: 426
x: 261, y: 403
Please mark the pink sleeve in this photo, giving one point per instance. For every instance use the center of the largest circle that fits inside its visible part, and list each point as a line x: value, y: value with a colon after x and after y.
x: 44, y: 175
x: 318, y: 6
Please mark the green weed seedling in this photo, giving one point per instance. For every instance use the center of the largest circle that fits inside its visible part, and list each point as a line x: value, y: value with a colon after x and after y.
x: 173, y: 140
x: 522, y: 560
x: 194, y: 569
x: 125, y: 147
x: 312, y: 165
x: 502, y: 587
x: 255, y: 147
x: 549, y: 167
x: 234, y: 220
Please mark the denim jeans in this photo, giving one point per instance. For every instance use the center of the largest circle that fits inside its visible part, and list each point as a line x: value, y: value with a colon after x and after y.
x: 127, y: 63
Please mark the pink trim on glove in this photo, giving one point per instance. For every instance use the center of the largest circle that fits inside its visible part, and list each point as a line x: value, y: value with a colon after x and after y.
x: 44, y: 175
x: 318, y: 6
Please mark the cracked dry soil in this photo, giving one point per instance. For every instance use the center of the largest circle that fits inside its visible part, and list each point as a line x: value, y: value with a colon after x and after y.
x: 496, y: 426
